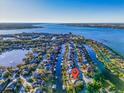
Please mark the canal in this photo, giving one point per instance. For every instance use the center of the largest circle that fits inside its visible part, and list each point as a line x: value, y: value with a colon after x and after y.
x: 58, y: 71
x: 76, y: 61
x: 107, y: 74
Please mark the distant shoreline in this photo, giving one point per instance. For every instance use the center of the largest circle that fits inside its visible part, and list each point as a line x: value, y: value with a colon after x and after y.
x: 97, y: 25
x: 14, y: 26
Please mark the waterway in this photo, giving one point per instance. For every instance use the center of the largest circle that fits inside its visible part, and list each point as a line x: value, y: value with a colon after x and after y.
x: 58, y: 71
x: 107, y: 74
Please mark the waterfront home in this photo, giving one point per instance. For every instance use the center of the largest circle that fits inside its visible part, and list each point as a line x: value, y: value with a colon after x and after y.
x: 26, y: 72
x: 84, y: 68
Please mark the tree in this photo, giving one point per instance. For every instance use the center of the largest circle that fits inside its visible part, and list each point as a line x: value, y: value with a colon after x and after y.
x: 6, y: 74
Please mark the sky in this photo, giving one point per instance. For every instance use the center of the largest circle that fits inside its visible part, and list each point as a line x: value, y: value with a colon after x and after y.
x: 62, y: 11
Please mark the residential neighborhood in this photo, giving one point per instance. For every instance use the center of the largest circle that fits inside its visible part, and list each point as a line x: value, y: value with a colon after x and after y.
x: 47, y: 67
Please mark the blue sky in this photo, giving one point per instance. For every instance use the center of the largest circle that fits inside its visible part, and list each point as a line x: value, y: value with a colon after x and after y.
x: 62, y: 11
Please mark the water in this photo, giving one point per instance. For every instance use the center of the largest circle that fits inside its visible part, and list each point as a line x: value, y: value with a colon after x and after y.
x: 58, y: 71
x: 12, y: 58
x: 76, y: 62
x: 114, y: 38
x: 107, y: 74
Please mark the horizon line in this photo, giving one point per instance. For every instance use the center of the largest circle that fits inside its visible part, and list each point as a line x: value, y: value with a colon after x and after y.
x: 55, y: 22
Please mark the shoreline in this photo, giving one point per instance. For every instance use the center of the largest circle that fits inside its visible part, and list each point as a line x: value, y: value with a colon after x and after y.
x: 97, y: 25
x: 14, y: 26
